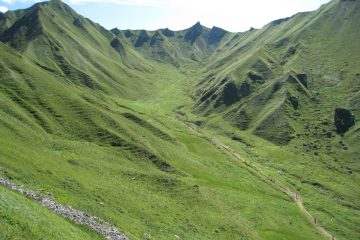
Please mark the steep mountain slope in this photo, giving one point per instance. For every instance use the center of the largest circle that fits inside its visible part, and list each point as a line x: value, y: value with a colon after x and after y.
x: 62, y: 42
x: 101, y: 119
x: 286, y: 87
x: 284, y: 70
x: 107, y: 156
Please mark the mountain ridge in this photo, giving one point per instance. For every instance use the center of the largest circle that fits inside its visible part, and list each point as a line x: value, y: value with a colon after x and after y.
x: 119, y: 123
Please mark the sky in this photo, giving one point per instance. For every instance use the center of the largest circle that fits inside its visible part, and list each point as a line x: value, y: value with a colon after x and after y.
x: 232, y: 15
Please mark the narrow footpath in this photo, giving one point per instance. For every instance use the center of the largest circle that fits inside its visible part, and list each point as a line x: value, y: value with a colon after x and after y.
x: 294, y: 196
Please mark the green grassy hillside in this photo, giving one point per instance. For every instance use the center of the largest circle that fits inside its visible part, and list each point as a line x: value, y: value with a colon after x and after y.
x: 101, y: 119
x: 285, y: 90
x: 285, y: 67
x: 66, y: 44
x: 19, y: 221
x: 130, y: 164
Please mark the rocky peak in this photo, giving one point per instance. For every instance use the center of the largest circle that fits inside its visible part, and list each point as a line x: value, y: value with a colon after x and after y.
x: 115, y: 31
x: 167, y: 32
x: 197, y: 25
x: 28, y: 27
x: 216, y: 34
x: 61, y: 8
x: 143, y: 37
x: 194, y: 32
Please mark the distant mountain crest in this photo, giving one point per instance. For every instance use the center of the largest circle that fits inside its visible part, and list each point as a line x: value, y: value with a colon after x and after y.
x: 216, y: 34
x: 194, y: 32
x: 167, y: 32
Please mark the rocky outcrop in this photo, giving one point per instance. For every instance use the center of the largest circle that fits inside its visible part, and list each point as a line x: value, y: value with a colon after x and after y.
x: 100, y: 226
x: 78, y: 22
x: 254, y: 76
x: 128, y: 33
x: 343, y: 120
x: 143, y: 38
x: 167, y: 32
x: 230, y: 94
x: 299, y: 85
x: 294, y: 102
x: 116, y: 31
x: 245, y: 89
x: 156, y: 38
x: 194, y: 32
x: 216, y: 34
x: 117, y: 46
x: 303, y: 78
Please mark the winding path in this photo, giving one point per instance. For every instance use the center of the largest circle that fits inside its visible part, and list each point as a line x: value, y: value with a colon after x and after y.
x: 294, y: 196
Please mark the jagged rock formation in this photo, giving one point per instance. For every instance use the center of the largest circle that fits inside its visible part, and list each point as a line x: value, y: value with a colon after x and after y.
x: 167, y: 32
x: 143, y: 38
x: 116, y: 31
x: 194, y: 32
x: 216, y: 34
x: 230, y: 94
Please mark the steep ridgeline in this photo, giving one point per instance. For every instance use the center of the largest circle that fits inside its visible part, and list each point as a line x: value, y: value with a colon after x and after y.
x: 190, y: 46
x: 104, y: 120
x: 60, y: 41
